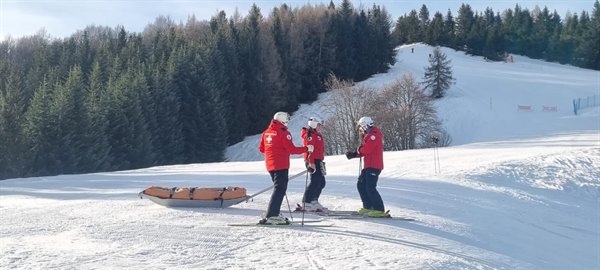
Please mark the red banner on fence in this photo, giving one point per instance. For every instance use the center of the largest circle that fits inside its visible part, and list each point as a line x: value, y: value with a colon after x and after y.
x: 524, y: 107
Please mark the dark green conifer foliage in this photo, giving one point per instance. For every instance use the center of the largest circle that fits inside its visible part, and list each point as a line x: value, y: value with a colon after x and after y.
x: 227, y: 45
x: 464, y: 23
x: 38, y: 129
x: 590, y: 45
x: 361, y: 43
x: 381, y: 45
x: 213, y: 107
x: 423, y: 23
x: 435, y: 32
x: 170, y: 116
x: 68, y: 115
x: 129, y: 138
x: 259, y: 108
x: 12, y: 108
x: 97, y: 152
x: 438, y: 76
x: 344, y: 26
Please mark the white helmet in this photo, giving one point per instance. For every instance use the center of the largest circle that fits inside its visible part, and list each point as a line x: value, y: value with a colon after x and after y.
x: 365, y: 122
x: 313, y: 122
x: 282, y: 117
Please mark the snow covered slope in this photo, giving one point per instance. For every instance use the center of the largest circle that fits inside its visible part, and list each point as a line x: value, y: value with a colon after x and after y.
x: 483, y: 104
x: 521, y: 191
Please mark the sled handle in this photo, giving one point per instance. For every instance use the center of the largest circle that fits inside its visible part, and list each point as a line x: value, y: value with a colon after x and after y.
x: 270, y: 187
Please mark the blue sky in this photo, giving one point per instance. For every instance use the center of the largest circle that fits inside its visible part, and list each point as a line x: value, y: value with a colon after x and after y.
x: 61, y: 18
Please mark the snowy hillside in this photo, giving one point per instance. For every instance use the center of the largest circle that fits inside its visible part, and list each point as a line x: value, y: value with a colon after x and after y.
x: 518, y: 190
x: 484, y: 103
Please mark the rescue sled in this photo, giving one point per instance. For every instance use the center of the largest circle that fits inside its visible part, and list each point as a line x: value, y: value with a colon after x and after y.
x: 195, y: 196
x: 201, y: 197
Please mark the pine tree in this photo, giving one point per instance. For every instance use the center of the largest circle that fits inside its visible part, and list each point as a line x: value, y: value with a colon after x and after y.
x: 227, y: 45
x: 448, y: 38
x: 438, y: 76
x: 423, y: 23
x: 464, y: 23
x: 39, y: 133
x: 382, y: 47
x: 12, y: 147
x: 407, y: 28
x: 171, y: 97
x: 213, y: 108
x: 98, y: 149
x: 131, y: 145
x: 256, y: 99
x: 362, y: 44
x: 553, y: 50
x: 476, y: 38
x: 344, y: 26
x: 313, y: 50
x: 273, y: 81
x: 587, y: 53
x: 435, y: 31
x: 541, y: 32
x: 568, y: 40
x: 69, y: 117
x: 282, y: 19
x: 590, y: 46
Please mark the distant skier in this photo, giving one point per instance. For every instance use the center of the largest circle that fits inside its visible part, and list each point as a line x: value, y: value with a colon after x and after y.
x: 372, y: 151
x: 277, y: 145
x: 314, y: 164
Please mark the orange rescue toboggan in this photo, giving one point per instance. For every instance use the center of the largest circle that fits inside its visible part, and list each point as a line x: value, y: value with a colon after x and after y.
x: 202, y: 197
x: 195, y: 196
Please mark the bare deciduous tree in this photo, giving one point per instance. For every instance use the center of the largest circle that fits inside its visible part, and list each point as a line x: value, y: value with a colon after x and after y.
x: 406, y: 115
x: 347, y: 104
x: 402, y: 110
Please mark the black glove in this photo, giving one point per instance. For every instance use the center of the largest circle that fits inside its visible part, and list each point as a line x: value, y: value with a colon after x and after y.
x: 351, y: 154
x: 309, y: 168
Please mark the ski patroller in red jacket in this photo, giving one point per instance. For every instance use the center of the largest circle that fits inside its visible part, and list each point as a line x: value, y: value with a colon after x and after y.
x: 372, y: 149
x: 277, y: 145
x: 316, y: 140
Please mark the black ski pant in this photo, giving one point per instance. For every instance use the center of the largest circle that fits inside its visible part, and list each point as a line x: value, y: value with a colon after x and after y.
x: 280, y: 182
x: 367, y: 189
x: 317, y: 183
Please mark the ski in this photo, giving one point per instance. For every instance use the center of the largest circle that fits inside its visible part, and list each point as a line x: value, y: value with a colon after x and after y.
x: 370, y: 218
x: 341, y: 214
x: 300, y: 209
x: 293, y: 224
x: 350, y: 214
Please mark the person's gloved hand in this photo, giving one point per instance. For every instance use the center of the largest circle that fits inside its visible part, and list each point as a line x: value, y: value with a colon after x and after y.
x: 351, y: 154
x: 310, y: 148
x: 310, y: 168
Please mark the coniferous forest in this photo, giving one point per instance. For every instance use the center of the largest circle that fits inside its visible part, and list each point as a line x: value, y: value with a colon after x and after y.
x: 108, y: 99
x: 540, y: 33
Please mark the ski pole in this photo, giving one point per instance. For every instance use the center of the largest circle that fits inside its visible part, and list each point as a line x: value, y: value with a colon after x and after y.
x: 305, y: 188
x: 436, y: 154
x: 360, y: 166
x: 303, y: 201
x: 289, y: 208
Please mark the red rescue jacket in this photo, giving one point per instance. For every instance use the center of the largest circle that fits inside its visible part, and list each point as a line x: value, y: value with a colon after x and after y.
x: 277, y: 145
x: 372, y: 149
x: 316, y: 140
